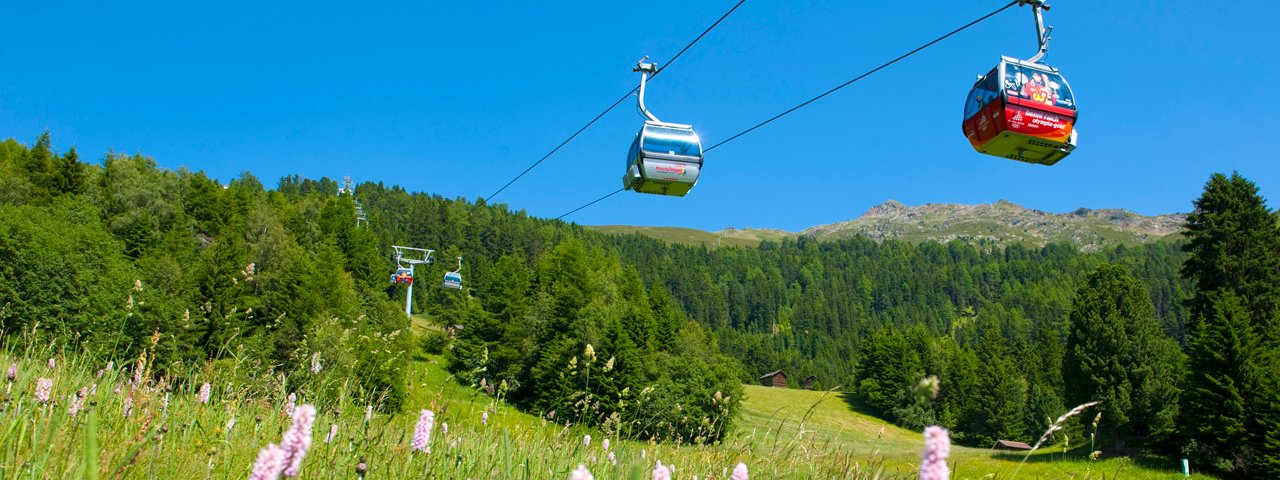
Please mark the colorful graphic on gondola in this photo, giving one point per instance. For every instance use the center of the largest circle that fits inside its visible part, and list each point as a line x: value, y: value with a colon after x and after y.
x: 402, y: 275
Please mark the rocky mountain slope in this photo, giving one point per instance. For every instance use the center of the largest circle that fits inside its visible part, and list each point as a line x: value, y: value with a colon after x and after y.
x: 1003, y: 223
x: 1000, y: 223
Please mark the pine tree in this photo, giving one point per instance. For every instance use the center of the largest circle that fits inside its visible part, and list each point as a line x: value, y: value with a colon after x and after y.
x: 889, y: 370
x: 1216, y: 402
x: 68, y: 175
x: 1001, y: 392
x: 1117, y: 353
x: 1234, y: 244
x: 40, y: 161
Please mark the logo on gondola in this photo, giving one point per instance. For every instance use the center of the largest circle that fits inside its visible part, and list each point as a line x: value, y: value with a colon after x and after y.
x: 670, y: 169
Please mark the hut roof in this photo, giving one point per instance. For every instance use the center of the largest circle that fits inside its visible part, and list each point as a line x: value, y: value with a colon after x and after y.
x: 770, y: 374
x: 1011, y: 445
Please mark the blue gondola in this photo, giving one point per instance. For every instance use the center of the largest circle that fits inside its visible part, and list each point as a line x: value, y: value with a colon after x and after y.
x: 453, y: 279
x: 665, y: 158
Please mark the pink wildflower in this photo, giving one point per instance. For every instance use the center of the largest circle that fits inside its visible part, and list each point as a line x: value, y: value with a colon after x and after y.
x: 612, y: 459
x: 586, y: 440
x: 368, y: 412
x: 52, y: 364
x: 484, y: 419
x: 289, y: 405
x: 315, y: 362
x: 582, y: 473
x: 661, y: 473
x: 270, y: 463
x: 605, y: 444
x: 740, y: 472
x: 933, y: 462
x: 44, y: 387
x: 203, y: 396
x: 444, y: 428
x: 297, y: 440
x: 13, y: 371
x: 422, y: 434
x: 128, y: 406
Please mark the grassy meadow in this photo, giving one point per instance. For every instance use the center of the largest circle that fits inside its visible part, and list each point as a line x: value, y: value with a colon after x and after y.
x: 125, y: 428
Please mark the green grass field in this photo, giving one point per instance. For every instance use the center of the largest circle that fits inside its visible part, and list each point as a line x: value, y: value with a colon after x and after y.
x: 168, y: 433
x: 778, y: 416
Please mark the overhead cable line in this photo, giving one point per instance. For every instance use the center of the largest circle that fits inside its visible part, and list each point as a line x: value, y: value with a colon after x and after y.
x: 593, y: 202
x: 828, y: 92
x: 618, y: 102
x: 860, y: 77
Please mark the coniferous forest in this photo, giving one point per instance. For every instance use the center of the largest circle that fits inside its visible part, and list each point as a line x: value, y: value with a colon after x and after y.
x: 1177, y: 338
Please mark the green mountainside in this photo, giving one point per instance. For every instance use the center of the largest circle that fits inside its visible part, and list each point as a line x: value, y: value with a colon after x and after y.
x: 1002, y: 223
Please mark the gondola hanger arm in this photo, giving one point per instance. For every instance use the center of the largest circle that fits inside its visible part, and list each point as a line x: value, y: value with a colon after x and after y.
x: 1042, y: 32
x: 645, y: 70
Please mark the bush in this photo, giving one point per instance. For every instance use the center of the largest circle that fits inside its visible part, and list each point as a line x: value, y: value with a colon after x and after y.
x: 434, y: 342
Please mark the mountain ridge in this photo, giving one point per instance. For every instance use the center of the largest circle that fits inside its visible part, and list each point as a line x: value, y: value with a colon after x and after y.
x: 1000, y: 223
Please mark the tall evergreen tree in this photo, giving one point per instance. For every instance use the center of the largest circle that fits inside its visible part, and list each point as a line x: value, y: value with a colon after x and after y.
x: 1234, y: 244
x: 1221, y: 347
x: 68, y: 175
x: 1001, y: 392
x: 1117, y: 353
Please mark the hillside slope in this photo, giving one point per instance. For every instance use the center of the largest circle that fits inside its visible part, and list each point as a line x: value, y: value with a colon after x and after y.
x: 782, y: 433
x: 811, y: 421
x: 1003, y: 223
x: 729, y: 237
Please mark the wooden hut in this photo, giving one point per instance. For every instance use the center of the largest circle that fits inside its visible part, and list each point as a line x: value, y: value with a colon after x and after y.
x: 776, y: 379
x: 1010, y: 445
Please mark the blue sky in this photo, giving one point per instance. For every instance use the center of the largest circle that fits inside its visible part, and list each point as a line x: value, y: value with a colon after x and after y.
x: 456, y: 98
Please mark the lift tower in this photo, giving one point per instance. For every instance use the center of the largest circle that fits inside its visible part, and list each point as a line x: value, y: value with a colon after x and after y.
x: 411, y: 256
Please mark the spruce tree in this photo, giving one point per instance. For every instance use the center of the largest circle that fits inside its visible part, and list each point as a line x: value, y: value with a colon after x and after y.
x: 1234, y: 244
x: 1221, y: 347
x: 1001, y: 392
x: 1117, y: 353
